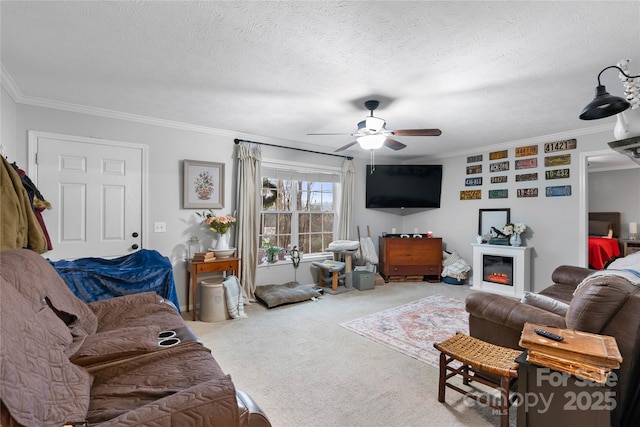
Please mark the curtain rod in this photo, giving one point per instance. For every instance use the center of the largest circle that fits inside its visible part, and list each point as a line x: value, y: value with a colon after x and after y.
x: 238, y: 141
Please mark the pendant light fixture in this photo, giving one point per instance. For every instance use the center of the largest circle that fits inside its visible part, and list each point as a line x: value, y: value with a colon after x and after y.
x: 605, y: 104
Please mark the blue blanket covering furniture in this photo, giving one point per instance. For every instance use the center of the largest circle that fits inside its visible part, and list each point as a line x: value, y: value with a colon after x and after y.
x: 94, y: 279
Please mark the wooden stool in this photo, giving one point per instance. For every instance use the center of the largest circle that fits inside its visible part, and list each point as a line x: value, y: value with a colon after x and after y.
x: 478, y: 357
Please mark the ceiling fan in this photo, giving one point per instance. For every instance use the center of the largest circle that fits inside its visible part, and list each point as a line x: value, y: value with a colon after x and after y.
x: 372, y: 132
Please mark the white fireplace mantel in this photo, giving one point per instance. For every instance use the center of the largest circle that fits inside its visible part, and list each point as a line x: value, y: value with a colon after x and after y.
x: 521, y: 269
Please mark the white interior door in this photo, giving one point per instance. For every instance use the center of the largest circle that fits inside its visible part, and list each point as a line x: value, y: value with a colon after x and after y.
x: 95, y: 188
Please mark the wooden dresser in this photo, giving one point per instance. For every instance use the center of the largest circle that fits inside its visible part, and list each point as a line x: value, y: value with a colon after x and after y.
x: 410, y: 257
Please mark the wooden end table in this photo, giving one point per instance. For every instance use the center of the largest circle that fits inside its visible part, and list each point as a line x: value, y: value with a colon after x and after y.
x: 630, y: 246
x: 194, y: 268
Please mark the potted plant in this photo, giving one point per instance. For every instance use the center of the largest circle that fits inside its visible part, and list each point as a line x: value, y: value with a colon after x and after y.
x: 272, y: 251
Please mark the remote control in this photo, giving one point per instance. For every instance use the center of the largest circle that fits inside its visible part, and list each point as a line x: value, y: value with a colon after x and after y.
x: 548, y: 334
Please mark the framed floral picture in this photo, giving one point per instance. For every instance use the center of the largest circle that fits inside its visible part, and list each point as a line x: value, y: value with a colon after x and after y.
x: 203, y: 185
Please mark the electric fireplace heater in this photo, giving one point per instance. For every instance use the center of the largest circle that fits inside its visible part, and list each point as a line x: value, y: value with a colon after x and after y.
x: 501, y: 269
x: 497, y: 269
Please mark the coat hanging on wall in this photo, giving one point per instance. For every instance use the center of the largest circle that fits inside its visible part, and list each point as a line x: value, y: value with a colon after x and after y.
x: 37, y: 201
x: 19, y: 227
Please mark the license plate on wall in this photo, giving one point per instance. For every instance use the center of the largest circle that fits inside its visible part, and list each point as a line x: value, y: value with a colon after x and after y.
x: 567, y: 144
x: 559, y: 160
x: 527, y: 192
x: 499, y: 167
x: 556, y: 174
x: 559, y: 191
x: 472, y: 182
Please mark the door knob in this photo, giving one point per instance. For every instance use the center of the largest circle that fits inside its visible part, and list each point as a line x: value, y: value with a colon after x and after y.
x: 134, y: 246
x: 135, y: 234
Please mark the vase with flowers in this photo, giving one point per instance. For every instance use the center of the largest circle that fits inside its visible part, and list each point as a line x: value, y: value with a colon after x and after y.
x: 271, y: 251
x: 514, y: 230
x: 220, y: 225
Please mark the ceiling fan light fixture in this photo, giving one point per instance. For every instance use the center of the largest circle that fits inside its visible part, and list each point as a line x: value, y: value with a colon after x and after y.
x: 371, y: 142
x: 374, y: 124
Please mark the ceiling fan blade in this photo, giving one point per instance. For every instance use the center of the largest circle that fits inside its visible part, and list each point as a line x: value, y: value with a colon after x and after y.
x: 341, y: 133
x: 344, y: 147
x: 417, y: 132
x: 393, y: 144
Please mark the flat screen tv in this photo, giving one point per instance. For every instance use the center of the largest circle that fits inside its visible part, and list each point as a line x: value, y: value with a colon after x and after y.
x: 403, y: 189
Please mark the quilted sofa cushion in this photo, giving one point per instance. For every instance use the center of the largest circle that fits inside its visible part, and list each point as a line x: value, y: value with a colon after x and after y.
x: 179, y: 386
x: 39, y: 385
x: 132, y: 310
x: 38, y: 281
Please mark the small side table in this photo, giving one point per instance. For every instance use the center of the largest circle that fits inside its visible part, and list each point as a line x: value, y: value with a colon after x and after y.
x: 556, y: 398
x: 630, y: 246
x: 226, y: 265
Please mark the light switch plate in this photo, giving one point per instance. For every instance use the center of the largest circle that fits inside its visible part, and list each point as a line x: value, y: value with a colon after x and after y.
x: 159, y: 227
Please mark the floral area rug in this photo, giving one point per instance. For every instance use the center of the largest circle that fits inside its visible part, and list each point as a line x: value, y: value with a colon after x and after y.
x: 412, y: 328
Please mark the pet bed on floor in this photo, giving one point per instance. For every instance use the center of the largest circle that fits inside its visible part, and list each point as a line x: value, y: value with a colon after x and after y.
x: 287, y: 293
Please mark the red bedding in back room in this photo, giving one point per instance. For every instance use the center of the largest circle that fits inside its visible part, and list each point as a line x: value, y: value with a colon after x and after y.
x: 601, y: 250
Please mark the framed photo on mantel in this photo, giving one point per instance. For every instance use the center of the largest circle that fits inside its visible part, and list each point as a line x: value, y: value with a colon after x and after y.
x: 203, y: 184
x: 488, y: 218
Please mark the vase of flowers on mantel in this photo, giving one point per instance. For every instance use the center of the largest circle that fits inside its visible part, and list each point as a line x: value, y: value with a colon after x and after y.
x: 514, y: 231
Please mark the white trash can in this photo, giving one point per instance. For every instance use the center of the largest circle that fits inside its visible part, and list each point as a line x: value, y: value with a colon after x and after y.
x: 213, y: 304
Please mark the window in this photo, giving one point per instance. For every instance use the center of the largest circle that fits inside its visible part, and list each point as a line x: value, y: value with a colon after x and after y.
x: 298, y: 209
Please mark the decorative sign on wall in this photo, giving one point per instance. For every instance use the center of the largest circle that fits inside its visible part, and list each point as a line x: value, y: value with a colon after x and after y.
x: 527, y: 163
x: 470, y: 194
x: 559, y: 160
x: 527, y: 177
x: 529, y: 150
x: 567, y: 144
x: 499, y: 167
x: 559, y: 191
x: 557, y: 173
x: 527, y: 192
x: 474, y: 169
x: 495, y: 155
x: 526, y: 158
x: 499, y: 194
x: 472, y: 182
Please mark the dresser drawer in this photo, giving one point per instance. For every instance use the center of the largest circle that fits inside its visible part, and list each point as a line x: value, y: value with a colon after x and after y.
x: 407, y: 270
x: 209, y: 267
x: 432, y: 270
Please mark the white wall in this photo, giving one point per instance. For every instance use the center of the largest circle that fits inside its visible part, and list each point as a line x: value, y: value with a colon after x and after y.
x: 553, y: 221
x: 167, y: 148
x: 616, y: 191
x: 554, y: 226
x: 8, y: 124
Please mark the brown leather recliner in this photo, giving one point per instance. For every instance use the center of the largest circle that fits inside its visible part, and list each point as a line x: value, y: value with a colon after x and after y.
x: 606, y: 305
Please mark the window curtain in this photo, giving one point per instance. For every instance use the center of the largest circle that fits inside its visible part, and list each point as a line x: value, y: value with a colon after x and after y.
x: 248, y: 197
x: 346, y: 205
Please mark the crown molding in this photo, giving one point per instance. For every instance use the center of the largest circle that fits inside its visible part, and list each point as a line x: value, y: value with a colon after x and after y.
x: 7, y: 82
x: 529, y: 141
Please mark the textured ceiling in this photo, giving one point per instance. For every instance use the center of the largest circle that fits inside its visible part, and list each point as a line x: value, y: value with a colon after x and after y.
x: 483, y: 72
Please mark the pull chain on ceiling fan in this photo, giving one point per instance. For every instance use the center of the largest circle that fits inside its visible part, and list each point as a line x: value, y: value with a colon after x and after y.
x: 372, y: 132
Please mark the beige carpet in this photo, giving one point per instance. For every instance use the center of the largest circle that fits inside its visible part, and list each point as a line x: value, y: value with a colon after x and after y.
x: 305, y: 370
